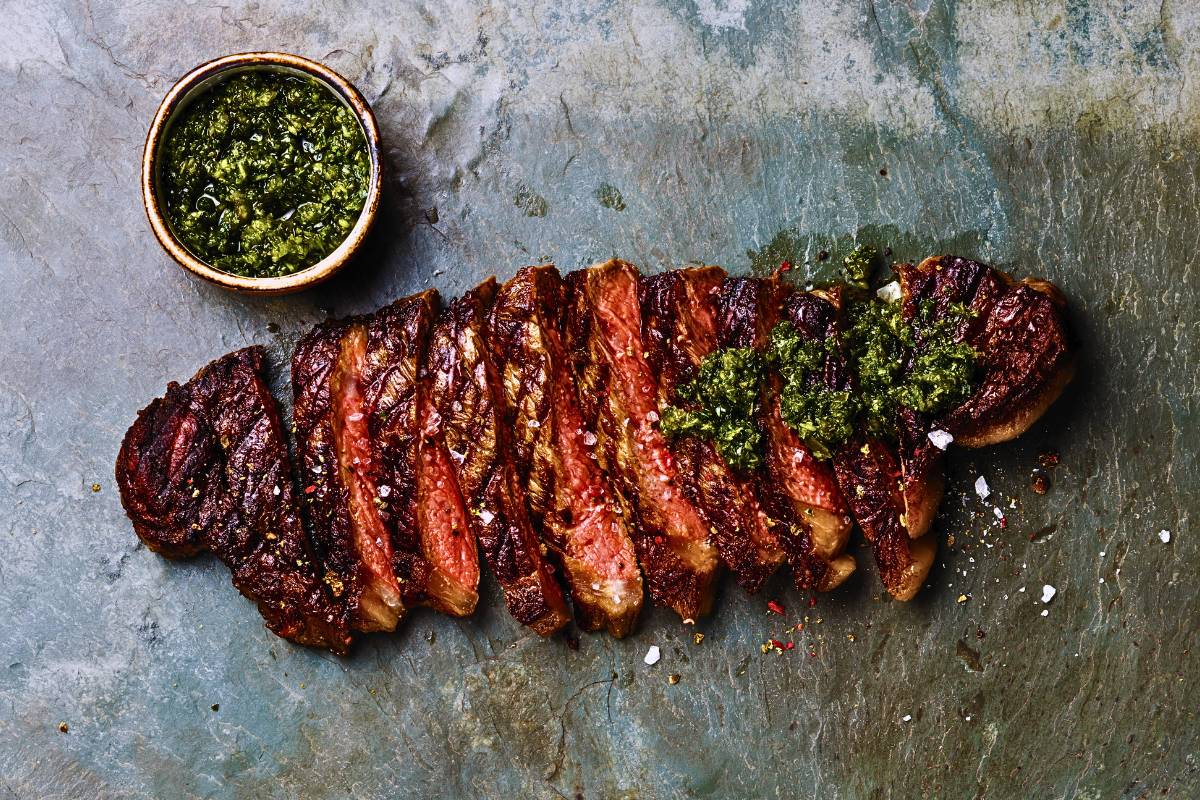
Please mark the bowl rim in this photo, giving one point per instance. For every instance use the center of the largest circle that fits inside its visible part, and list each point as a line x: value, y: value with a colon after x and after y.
x: 152, y: 201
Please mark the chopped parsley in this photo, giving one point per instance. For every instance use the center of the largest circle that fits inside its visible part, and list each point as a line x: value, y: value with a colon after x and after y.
x: 721, y: 404
x: 265, y: 174
x: 892, y: 364
x: 822, y: 418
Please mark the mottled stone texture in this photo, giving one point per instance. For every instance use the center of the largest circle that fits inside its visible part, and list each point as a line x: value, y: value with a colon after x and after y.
x: 1057, y: 139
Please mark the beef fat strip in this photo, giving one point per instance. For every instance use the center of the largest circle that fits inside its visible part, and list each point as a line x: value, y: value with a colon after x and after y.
x: 553, y: 452
x: 800, y: 492
x: 206, y: 468
x: 679, y: 330
x: 468, y: 399
x: 340, y: 471
x: 618, y: 395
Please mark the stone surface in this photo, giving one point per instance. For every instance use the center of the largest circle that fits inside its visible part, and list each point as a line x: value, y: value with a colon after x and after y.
x: 1055, y: 139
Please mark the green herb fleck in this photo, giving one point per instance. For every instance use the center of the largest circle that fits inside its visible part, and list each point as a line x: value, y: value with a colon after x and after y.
x: 609, y: 196
x: 858, y: 265
x: 529, y: 201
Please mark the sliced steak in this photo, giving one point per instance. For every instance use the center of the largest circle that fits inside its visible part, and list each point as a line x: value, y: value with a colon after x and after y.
x: 468, y: 399
x: 206, y: 468
x: 1020, y: 332
x: 618, y: 395
x: 341, y: 474
x: 801, y: 491
x: 553, y: 452
x: 679, y: 329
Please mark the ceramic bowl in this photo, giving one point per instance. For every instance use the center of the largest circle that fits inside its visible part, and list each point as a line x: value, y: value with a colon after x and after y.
x: 177, y: 100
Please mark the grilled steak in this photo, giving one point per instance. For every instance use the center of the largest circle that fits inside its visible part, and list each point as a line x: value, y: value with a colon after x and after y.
x: 469, y: 399
x: 617, y: 393
x: 1020, y: 333
x: 332, y: 414
x: 205, y: 468
x: 553, y: 454
x: 679, y: 328
x: 819, y: 527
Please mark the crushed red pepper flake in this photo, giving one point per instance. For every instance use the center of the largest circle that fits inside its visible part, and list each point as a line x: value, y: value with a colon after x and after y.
x: 775, y: 607
x: 310, y: 488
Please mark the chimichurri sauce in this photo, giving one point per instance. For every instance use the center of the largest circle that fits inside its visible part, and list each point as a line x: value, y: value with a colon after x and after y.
x: 895, y: 363
x: 265, y: 174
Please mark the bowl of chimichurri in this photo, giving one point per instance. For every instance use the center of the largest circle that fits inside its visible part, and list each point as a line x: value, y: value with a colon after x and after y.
x: 262, y: 172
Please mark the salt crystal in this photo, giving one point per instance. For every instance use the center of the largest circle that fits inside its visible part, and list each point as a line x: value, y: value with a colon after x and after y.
x: 652, y: 416
x: 1048, y: 593
x: 457, y: 456
x: 906, y: 718
x: 533, y: 423
x: 486, y: 517
x: 276, y: 493
x: 652, y: 655
x: 1045, y: 613
x: 1165, y: 536
x: 589, y: 439
x: 595, y: 587
x: 384, y: 491
x: 981, y: 488
x: 941, y: 439
x: 355, y: 417
x: 999, y: 514
x: 889, y: 292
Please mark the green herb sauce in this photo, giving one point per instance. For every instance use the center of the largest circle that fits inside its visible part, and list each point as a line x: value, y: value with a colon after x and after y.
x: 722, y: 406
x: 895, y: 363
x: 265, y: 174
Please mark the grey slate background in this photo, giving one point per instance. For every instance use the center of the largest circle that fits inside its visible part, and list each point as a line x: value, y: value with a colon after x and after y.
x: 1055, y: 139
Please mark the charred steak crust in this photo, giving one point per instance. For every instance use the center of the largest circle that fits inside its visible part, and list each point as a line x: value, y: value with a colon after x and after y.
x: 1026, y: 355
x: 469, y: 398
x: 679, y: 328
x: 801, y: 490
x: 617, y: 391
x: 205, y: 468
x: 397, y: 337
x: 869, y: 473
x: 552, y: 454
x: 340, y: 475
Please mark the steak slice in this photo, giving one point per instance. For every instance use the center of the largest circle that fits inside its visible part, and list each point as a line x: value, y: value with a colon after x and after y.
x: 868, y: 471
x: 332, y: 414
x: 469, y: 400
x: 205, y: 468
x: 1020, y: 332
x: 802, y: 490
x: 679, y: 328
x: 553, y: 454
x: 618, y: 395
x: 396, y: 341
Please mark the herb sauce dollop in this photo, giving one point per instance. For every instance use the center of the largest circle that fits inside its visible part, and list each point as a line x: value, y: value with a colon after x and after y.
x: 894, y: 364
x: 265, y: 174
